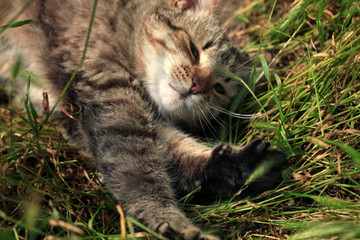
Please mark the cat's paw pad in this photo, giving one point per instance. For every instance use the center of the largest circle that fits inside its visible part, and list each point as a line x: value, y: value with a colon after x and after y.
x: 189, y: 233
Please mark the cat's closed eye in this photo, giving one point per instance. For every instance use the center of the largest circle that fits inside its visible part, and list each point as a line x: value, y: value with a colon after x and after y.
x: 208, y: 45
x: 194, y: 52
x: 219, y: 88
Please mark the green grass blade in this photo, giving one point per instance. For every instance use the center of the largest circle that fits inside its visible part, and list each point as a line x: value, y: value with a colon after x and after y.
x: 17, y: 24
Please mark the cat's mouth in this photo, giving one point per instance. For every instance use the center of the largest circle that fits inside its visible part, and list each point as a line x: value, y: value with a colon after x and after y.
x: 183, y: 95
x: 194, y: 89
x: 172, y: 97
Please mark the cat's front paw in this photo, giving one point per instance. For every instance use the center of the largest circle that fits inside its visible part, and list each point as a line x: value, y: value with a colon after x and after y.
x: 190, y: 233
x: 229, y: 167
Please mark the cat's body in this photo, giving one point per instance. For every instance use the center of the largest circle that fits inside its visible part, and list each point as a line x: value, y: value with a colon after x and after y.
x: 151, y: 68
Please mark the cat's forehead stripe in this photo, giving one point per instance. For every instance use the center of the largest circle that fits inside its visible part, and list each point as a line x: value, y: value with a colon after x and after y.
x: 168, y: 22
x: 200, y: 31
x: 155, y: 41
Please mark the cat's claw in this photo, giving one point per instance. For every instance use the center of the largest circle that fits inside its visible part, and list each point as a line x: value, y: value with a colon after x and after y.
x: 189, y: 233
x: 163, y: 228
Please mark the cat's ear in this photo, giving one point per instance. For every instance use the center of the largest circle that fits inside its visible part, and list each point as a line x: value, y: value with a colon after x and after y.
x: 207, y: 5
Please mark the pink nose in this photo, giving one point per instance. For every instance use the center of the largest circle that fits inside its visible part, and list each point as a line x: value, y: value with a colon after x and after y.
x: 196, y: 87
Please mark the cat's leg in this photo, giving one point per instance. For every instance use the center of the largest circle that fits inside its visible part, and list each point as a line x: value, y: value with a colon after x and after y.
x: 222, y: 169
x: 124, y: 144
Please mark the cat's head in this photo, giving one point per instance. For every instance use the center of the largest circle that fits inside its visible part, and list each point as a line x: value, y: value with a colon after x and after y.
x: 181, y: 55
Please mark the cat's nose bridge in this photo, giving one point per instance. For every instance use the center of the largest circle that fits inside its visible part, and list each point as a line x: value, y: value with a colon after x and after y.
x: 188, y: 75
x: 203, y: 76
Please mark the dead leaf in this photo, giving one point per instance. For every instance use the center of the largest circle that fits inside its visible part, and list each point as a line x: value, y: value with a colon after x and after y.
x: 68, y: 226
x: 321, y: 55
x: 64, y: 106
x: 300, y: 177
x: 317, y: 142
x: 45, y: 102
x: 122, y: 222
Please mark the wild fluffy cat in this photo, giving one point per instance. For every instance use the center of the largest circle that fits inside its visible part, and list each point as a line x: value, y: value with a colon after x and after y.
x: 152, y: 70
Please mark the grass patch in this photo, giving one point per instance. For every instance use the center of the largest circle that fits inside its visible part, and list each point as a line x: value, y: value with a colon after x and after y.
x: 311, y: 110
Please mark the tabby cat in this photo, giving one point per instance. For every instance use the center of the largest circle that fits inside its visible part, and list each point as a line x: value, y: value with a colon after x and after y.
x: 153, y: 69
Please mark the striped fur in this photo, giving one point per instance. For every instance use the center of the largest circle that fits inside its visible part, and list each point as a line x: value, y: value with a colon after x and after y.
x: 151, y: 69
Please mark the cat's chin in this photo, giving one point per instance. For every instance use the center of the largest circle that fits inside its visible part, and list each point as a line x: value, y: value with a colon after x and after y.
x: 169, y: 99
x: 175, y: 101
x: 178, y: 108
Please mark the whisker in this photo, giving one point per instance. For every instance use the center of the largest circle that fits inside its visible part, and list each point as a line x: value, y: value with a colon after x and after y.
x: 193, y: 117
x: 233, y: 114
x: 217, y: 119
x: 208, y: 123
x: 201, y: 124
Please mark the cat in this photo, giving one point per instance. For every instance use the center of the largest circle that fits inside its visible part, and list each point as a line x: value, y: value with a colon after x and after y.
x: 153, y: 71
